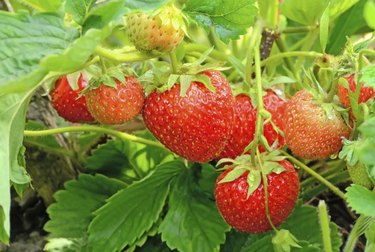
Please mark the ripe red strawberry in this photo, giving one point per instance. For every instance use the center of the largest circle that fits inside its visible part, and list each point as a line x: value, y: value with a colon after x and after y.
x: 245, y: 123
x: 248, y: 214
x: 309, y: 132
x: 66, y: 102
x: 162, y: 31
x: 365, y: 93
x: 196, y: 126
x: 116, y: 105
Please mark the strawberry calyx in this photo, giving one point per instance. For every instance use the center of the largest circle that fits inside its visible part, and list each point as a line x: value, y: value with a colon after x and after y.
x: 162, y: 78
x: 241, y: 164
x: 284, y: 240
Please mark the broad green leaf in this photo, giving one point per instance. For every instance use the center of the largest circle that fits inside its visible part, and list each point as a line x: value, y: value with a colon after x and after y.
x: 231, y: 18
x: 368, y: 76
x: 193, y: 222
x: 338, y: 7
x: 78, y: 9
x: 132, y: 211
x: 12, y: 120
x: 4, y: 237
x: 103, y: 14
x: 68, y: 217
x: 145, y: 5
x: 24, y: 41
x: 43, y: 5
x: 361, y: 200
x: 369, y: 13
x: 346, y: 25
x: 304, y: 12
x: 77, y: 53
x: 324, y: 29
x: 110, y: 158
x: 64, y: 245
x: 303, y: 223
x: 368, y: 128
x: 234, y: 241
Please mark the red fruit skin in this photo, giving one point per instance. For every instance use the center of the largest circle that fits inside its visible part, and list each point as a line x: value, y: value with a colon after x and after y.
x: 309, y: 133
x: 116, y: 105
x: 245, y: 123
x: 249, y: 214
x: 197, y: 126
x: 64, y: 100
x: 365, y: 93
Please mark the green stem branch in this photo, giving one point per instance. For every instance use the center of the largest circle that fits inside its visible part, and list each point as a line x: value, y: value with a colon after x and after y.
x: 324, y: 225
x: 317, y: 176
x: 174, y: 61
x: 124, y: 57
x: 309, y: 54
x: 90, y: 128
x: 298, y: 29
x: 203, y: 48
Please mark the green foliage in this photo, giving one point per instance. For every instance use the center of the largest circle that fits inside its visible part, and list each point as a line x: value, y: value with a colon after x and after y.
x: 42, y: 5
x: 73, y: 211
x: 4, y: 234
x: 22, y: 48
x: 78, y: 9
x: 231, y: 18
x: 346, y: 25
x: 117, y: 157
x: 102, y: 15
x: 132, y: 211
x: 12, y: 113
x: 324, y: 29
x: 369, y: 13
x: 304, y: 12
x: 361, y: 200
x: 368, y: 76
x: 192, y: 217
x: 303, y: 224
x: 145, y: 5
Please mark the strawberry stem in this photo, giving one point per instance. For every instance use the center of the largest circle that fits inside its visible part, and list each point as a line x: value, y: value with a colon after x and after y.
x: 124, y: 57
x: 174, y: 61
x: 258, y: 81
x: 279, y: 56
x: 324, y: 225
x: 91, y: 128
x: 265, y: 187
x: 298, y: 29
x: 317, y: 176
x: 255, y: 38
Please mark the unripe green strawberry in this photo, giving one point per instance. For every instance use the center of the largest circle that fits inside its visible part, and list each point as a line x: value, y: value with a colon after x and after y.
x: 359, y: 176
x: 161, y: 31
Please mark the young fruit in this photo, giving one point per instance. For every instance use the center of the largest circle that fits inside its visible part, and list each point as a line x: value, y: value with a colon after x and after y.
x: 196, y: 126
x: 358, y: 174
x: 248, y: 214
x: 365, y: 93
x: 245, y: 122
x: 162, y: 31
x: 66, y: 102
x: 116, y: 105
x: 309, y: 131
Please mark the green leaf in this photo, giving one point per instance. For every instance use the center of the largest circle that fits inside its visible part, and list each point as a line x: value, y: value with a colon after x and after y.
x: 303, y: 224
x: 4, y: 237
x: 346, y: 25
x: 304, y: 12
x: 231, y: 18
x: 77, y: 53
x: 369, y: 13
x: 64, y: 245
x: 135, y: 208
x: 370, y: 237
x: 43, y: 5
x: 338, y: 7
x: 73, y: 211
x: 103, y: 14
x: 361, y: 200
x: 78, y: 9
x: 234, y: 241
x: 24, y: 41
x: 145, y: 5
x: 324, y: 29
x: 368, y: 76
x: 12, y: 120
x: 192, y: 222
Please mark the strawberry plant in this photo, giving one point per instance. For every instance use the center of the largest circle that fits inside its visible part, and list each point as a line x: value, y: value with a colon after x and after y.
x: 187, y: 126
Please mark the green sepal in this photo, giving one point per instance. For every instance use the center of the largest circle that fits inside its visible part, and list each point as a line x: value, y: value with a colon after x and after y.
x: 253, y: 181
x: 233, y: 175
x: 284, y: 240
x: 73, y: 79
